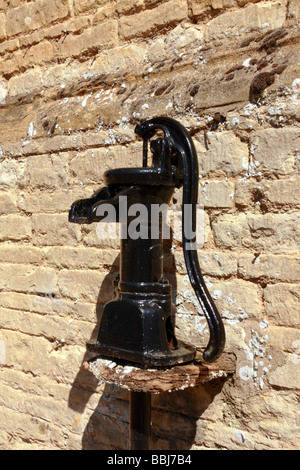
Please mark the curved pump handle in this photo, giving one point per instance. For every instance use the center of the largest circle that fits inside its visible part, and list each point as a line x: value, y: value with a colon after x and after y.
x: 180, y: 143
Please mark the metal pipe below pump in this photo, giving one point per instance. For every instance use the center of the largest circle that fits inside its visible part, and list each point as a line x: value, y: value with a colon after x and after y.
x: 139, y: 420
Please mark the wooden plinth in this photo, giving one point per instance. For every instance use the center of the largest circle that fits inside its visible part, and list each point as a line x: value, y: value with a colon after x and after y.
x: 136, y: 379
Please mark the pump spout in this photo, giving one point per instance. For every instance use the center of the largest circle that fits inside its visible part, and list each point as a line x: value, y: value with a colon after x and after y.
x: 82, y: 211
x: 85, y: 211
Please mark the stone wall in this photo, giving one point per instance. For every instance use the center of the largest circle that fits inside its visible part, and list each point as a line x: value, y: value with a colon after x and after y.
x: 75, y: 78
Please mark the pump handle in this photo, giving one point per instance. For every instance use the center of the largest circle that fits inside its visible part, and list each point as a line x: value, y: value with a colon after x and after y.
x: 180, y: 143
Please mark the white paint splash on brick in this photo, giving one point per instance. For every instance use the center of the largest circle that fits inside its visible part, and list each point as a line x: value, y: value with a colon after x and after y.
x: 3, y: 92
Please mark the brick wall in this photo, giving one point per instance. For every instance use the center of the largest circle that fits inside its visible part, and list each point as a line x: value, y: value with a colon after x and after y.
x: 75, y: 78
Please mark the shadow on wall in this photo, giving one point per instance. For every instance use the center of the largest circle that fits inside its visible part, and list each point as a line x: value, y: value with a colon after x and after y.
x: 85, y: 384
x: 176, y: 422
x: 178, y: 418
x: 175, y: 416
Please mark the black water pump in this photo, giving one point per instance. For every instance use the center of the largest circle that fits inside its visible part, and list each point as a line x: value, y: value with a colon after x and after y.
x: 138, y: 325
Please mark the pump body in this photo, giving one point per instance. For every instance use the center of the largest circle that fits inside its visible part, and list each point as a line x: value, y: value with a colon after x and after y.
x: 138, y: 325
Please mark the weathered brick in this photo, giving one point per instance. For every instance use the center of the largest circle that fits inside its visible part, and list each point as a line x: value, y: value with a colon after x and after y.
x: 244, y: 192
x: 148, y: 21
x: 3, y: 92
x: 199, y: 6
x: 26, y: 302
x: 285, y: 340
x: 275, y: 150
x: 38, y: 363
x: 11, y: 66
x: 62, y: 75
x: 216, y: 263
x: 76, y: 258
x: 228, y: 437
x: 92, y: 239
x: 43, y: 52
x: 8, y: 4
x: 42, y: 386
x: 225, y: 92
x: 273, y: 232
x: 82, y: 310
x: 89, y: 166
x: 10, y: 134
x: 49, y: 229
x: 25, y: 84
x: 261, y: 15
x: 15, y: 227
x: 282, y: 304
x: 22, y: 254
x: 7, y: 203
x: 103, y: 35
x: 70, y: 332
x: 48, y: 171
x: 9, y: 46
x: 34, y: 428
x: 174, y: 216
x: 271, y: 412
x: 202, y: 6
x: 216, y: 194
x: 47, y: 303
x: 125, y: 6
x: 41, y: 201
x: 58, y: 143
x: 44, y: 407
x: 85, y: 5
x: 281, y: 192
x: 236, y: 300
x: 70, y: 115
x: 2, y: 26
x: 286, y: 376
x: 121, y: 61
x: 35, y: 15
x: 102, y: 138
x: 294, y: 10
x: 178, y: 39
x: 12, y: 173
x: 85, y: 284
x: 72, y: 25
x: 226, y: 152
x: 184, y: 426
x: 284, y: 268
x: 27, y: 278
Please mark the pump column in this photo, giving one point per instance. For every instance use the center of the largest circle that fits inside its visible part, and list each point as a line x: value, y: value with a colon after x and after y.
x: 141, y: 253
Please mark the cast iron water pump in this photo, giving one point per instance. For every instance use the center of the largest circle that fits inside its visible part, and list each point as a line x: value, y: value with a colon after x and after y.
x: 138, y: 324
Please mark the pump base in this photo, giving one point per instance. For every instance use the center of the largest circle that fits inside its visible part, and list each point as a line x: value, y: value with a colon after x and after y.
x: 183, y: 354
x: 140, y: 328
